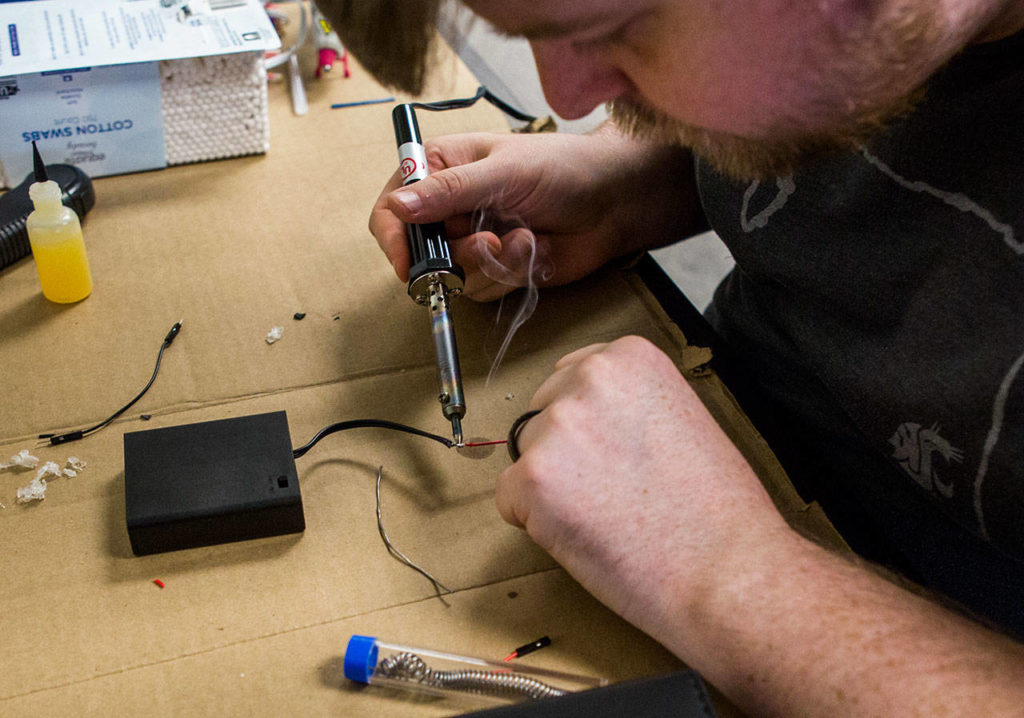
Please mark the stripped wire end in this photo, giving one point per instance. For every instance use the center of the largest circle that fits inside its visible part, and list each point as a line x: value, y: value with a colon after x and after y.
x: 457, y: 430
x: 470, y: 444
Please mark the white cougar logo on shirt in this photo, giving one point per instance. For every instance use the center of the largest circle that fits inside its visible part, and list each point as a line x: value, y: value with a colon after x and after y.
x: 914, y: 448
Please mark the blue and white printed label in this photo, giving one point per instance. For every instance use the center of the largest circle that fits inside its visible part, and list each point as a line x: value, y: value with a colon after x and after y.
x: 55, y: 34
x: 106, y: 120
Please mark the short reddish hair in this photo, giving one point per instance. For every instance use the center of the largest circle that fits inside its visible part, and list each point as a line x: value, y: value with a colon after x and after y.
x: 392, y: 39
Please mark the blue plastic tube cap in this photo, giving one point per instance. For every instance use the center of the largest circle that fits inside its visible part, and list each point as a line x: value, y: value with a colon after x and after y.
x: 360, y: 658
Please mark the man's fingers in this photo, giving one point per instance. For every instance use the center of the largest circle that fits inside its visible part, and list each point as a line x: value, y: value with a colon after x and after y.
x: 514, y: 484
x: 488, y: 291
x: 564, y: 374
x: 389, y: 231
x: 447, y: 192
x: 578, y: 355
x: 507, y: 498
x: 480, y: 288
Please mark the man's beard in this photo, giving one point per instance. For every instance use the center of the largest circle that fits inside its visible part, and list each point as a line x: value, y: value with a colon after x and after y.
x: 861, y: 91
x: 742, y: 158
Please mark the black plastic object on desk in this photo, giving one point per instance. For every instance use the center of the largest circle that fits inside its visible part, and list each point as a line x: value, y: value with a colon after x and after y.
x: 15, y: 207
x: 211, y: 482
x: 676, y: 695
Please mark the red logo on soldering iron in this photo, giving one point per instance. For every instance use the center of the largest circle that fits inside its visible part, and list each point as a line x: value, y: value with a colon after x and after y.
x: 408, y: 166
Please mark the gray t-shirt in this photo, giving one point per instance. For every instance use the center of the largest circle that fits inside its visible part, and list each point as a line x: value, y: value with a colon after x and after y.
x: 887, y: 287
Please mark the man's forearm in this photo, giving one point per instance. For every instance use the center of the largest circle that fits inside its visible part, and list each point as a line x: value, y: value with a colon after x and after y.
x: 805, y: 632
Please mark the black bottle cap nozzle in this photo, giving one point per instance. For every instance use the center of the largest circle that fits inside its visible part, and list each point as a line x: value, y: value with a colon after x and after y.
x: 40, y: 168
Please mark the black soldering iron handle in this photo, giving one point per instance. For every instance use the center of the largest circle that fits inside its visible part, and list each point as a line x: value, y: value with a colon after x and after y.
x: 428, y: 243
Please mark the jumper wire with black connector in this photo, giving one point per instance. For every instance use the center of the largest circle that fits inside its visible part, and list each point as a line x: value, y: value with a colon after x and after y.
x: 65, y: 437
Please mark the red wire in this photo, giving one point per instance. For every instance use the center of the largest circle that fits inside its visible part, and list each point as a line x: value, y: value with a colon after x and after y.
x: 486, y: 443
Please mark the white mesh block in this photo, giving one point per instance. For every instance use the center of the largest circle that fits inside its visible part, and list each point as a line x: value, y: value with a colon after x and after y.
x: 214, y: 107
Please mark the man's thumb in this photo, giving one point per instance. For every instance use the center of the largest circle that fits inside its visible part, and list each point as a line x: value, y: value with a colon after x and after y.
x: 444, y: 194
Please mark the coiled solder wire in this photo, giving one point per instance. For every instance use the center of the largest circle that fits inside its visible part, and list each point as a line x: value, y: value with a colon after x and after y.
x: 410, y: 667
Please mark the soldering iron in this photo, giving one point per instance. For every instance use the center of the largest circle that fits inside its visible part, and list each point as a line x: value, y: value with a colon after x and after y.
x: 434, y: 279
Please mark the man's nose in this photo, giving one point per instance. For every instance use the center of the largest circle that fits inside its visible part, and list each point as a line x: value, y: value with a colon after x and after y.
x: 575, y: 81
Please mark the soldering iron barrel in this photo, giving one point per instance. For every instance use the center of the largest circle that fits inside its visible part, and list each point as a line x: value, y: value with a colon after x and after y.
x: 453, y: 402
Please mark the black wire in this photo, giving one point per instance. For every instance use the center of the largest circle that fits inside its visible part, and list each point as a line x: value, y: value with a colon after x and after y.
x: 55, y: 439
x: 481, y: 93
x: 126, y: 407
x: 368, y: 424
x: 512, y: 443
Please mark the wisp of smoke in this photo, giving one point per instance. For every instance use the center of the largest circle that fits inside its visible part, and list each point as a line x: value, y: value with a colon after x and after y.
x: 518, y: 267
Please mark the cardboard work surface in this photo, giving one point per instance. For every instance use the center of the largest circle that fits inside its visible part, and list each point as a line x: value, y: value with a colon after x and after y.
x: 258, y: 627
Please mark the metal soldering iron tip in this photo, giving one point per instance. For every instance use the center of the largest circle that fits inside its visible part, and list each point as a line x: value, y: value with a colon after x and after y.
x: 457, y: 429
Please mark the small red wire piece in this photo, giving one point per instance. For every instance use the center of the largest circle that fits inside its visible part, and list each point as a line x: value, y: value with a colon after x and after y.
x: 158, y: 582
x: 485, y: 443
x: 529, y: 648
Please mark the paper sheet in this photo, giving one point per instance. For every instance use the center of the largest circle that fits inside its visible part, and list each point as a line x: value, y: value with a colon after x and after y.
x: 47, y: 35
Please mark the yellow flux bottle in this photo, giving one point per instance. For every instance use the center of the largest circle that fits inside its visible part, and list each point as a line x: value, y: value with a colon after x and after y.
x: 57, y: 246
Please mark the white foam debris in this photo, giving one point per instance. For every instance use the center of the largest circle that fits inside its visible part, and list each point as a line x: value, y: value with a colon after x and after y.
x: 50, y: 468
x: 274, y: 334
x: 35, y: 491
x: 22, y: 459
x: 74, y: 467
x: 510, y: 396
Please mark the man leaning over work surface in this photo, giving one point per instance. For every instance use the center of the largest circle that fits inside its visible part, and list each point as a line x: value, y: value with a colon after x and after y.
x: 863, y: 160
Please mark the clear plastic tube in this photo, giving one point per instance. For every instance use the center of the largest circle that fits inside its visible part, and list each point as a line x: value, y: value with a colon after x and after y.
x: 370, y: 660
